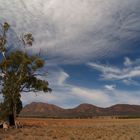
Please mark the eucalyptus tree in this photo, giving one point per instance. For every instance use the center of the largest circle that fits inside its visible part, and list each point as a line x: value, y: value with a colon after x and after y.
x: 19, y: 74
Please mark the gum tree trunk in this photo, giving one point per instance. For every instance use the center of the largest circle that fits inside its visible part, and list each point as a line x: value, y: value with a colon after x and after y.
x: 11, y: 120
x: 12, y: 116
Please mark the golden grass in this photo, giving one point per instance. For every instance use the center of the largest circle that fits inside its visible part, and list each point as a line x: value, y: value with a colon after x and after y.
x: 75, y: 129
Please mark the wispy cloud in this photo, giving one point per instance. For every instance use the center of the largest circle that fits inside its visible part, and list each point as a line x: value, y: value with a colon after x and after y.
x: 130, y: 82
x: 75, y: 31
x: 67, y: 95
x: 130, y: 70
x: 105, y: 69
x: 127, y: 62
x: 110, y: 87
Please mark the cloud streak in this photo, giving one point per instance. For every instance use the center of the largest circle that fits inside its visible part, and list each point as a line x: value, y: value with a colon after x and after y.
x: 67, y: 95
x: 110, y: 87
x: 75, y: 31
x: 130, y: 70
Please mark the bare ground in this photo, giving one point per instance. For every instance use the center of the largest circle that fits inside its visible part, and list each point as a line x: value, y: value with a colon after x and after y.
x: 75, y: 129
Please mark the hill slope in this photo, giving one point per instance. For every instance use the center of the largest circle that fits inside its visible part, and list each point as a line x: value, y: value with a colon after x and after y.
x: 83, y: 111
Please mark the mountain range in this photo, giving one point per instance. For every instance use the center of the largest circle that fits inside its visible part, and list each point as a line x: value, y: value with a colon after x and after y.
x: 38, y: 109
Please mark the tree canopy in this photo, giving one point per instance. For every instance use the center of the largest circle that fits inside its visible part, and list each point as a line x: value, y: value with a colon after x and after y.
x: 19, y: 73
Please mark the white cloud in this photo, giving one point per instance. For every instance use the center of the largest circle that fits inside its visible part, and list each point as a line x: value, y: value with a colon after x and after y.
x: 110, y: 87
x: 126, y: 97
x: 75, y: 31
x: 104, y: 68
x: 127, y: 62
x: 62, y: 78
x: 130, y: 82
x: 130, y: 70
x: 92, y: 96
x: 67, y: 95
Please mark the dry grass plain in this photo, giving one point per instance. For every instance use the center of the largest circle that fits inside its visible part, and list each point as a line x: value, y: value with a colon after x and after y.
x: 75, y: 129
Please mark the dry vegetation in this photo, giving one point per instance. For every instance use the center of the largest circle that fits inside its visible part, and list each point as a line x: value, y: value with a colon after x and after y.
x: 84, y: 129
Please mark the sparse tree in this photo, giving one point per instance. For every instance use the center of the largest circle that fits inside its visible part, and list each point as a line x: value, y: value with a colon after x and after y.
x: 19, y: 73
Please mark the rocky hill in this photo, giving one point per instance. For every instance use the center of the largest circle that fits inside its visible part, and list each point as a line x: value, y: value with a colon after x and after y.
x: 82, y: 111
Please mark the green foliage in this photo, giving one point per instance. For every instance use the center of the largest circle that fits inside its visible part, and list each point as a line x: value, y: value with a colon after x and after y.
x: 28, y: 39
x: 19, y: 73
x: 3, y: 40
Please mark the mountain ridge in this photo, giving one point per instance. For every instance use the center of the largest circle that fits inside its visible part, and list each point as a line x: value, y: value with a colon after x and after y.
x: 39, y: 109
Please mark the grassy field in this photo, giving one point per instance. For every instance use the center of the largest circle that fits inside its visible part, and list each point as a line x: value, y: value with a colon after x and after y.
x: 75, y: 129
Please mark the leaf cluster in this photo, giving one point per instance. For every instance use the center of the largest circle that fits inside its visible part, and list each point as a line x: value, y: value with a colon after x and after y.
x: 20, y: 68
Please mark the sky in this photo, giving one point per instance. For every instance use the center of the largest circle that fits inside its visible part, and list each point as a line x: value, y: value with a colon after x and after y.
x: 91, y: 48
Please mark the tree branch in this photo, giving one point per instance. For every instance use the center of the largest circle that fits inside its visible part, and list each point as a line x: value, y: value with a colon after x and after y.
x: 30, y: 90
x: 38, y: 74
x: 22, y: 88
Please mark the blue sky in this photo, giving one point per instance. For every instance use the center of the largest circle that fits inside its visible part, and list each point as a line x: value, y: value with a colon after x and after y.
x: 91, y: 48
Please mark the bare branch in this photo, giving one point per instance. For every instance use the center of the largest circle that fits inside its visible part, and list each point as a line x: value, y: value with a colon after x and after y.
x: 30, y: 90
x: 39, y: 74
